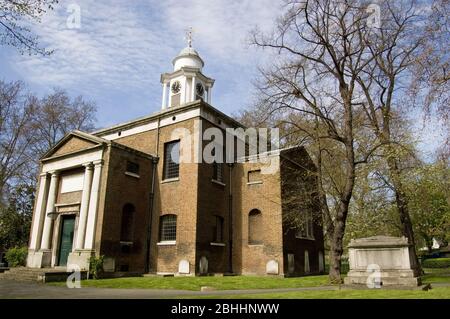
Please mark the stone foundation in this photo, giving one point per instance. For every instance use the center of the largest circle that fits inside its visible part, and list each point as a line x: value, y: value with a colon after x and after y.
x: 80, y: 258
x: 39, y: 259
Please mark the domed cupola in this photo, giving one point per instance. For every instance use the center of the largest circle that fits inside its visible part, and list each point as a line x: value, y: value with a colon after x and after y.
x: 186, y: 83
x: 188, y: 57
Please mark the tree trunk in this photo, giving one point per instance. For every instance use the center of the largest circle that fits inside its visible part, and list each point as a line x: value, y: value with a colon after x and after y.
x: 336, y: 251
x: 405, y: 219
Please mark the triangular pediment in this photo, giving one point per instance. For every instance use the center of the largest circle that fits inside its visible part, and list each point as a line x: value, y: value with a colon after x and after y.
x: 74, y: 142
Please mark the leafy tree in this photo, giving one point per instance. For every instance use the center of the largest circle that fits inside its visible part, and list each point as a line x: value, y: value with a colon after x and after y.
x: 13, y: 28
x: 429, y: 202
x: 15, y: 218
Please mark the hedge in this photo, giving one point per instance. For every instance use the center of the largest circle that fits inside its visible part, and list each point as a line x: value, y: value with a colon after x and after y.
x: 436, y: 263
x: 16, y: 256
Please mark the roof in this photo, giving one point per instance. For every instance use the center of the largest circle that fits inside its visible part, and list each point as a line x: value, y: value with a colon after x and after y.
x: 188, y: 52
x: 172, y: 110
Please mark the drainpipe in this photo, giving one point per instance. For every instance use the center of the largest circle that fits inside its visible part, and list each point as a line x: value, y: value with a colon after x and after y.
x: 155, y: 161
x: 149, y: 229
x: 230, y: 221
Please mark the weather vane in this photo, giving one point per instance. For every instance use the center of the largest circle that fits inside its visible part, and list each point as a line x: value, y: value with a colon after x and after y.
x: 188, y: 37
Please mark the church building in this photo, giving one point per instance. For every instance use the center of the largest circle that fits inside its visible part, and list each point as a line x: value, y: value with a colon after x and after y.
x: 124, y: 193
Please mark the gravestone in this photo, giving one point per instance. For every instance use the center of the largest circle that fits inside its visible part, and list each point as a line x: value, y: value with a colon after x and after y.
x: 272, y: 267
x: 183, y: 267
x: 380, y: 261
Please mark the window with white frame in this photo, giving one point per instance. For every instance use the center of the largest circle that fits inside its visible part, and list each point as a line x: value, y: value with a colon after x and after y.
x: 168, y: 228
x: 171, y: 160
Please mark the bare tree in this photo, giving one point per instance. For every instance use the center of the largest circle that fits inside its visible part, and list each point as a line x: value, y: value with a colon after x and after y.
x: 406, y: 61
x: 57, y: 115
x: 321, y: 52
x: 13, y: 30
x: 17, y: 109
x: 30, y: 126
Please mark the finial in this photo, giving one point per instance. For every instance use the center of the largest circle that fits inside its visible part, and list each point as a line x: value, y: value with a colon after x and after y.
x: 188, y: 37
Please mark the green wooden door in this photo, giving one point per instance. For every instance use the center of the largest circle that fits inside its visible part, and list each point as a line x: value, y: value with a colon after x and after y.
x: 66, y: 239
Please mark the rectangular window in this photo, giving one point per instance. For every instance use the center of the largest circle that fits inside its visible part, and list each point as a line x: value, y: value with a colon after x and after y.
x: 254, y: 176
x: 168, y: 228
x: 218, y: 230
x: 171, y: 160
x: 132, y: 168
x: 306, y: 228
x: 218, y: 172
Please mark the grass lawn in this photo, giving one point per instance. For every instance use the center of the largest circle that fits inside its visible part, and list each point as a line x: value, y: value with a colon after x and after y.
x: 435, y: 293
x: 256, y: 282
x: 195, y: 283
x: 434, y: 275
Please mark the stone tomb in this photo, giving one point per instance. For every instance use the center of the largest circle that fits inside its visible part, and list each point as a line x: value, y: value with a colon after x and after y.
x: 380, y: 261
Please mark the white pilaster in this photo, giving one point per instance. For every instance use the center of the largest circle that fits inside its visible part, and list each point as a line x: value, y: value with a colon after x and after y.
x: 193, y: 89
x: 183, y: 91
x: 169, y: 104
x: 209, y: 94
x: 48, y: 222
x: 93, y: 205
x: 81, y: 231
x: 164, y: 97
x: 39, y: 214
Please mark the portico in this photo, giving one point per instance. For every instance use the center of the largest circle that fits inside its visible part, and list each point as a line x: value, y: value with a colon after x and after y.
x: 68, y: 189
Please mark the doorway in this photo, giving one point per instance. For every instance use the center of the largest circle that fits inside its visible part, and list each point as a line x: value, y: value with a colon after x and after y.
x: 66, y: 238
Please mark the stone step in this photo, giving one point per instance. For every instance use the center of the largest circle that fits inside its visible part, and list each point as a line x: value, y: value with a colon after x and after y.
x: 32, y: 270
x: 21, y: 278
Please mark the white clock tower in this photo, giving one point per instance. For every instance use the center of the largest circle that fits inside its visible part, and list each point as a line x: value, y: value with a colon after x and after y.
x: 186, y: 83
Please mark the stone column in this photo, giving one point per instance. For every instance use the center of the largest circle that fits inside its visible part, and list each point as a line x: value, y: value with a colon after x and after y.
x: 164, y: 97
x: 193, y: 89
x: 81, y: 231
x: 209, y: 94
x: 39, y: 213
x: 169, y: 104
x: 48, y: 223
x: 93, y: 205
x: 184, y: 90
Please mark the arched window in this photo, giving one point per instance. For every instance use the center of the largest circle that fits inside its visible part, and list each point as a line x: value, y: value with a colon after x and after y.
x: 168, y: 228
x: 127, y: 228
x: 255, y: 227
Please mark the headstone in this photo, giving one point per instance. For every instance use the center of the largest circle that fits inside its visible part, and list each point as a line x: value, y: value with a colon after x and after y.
x: 380, y: 261
x: 203, y: 266
x: 272, y: 267
x: 307, y: 266
x: 183, y: 267
x: 291, y: 264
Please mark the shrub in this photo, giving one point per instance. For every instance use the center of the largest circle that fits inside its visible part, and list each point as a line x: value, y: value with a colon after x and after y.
x: 16, y: 256
x: 96, y: 266
x: 436, y: 263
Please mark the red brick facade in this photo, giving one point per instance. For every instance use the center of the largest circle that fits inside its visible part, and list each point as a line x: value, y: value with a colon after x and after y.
x: 131, y: 204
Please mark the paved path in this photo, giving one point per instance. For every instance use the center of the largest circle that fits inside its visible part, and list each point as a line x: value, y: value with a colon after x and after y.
x: 13, y: 289
x: 27, y: 290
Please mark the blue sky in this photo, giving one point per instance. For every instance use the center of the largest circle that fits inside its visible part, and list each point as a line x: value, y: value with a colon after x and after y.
x: 117, y: 55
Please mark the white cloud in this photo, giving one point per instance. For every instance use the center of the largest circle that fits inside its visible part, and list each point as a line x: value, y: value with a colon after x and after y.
x: 125, y: 45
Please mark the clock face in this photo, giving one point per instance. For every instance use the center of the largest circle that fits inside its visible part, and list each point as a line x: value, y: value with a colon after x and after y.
x: 200, y: 89
x: 176, y: 87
